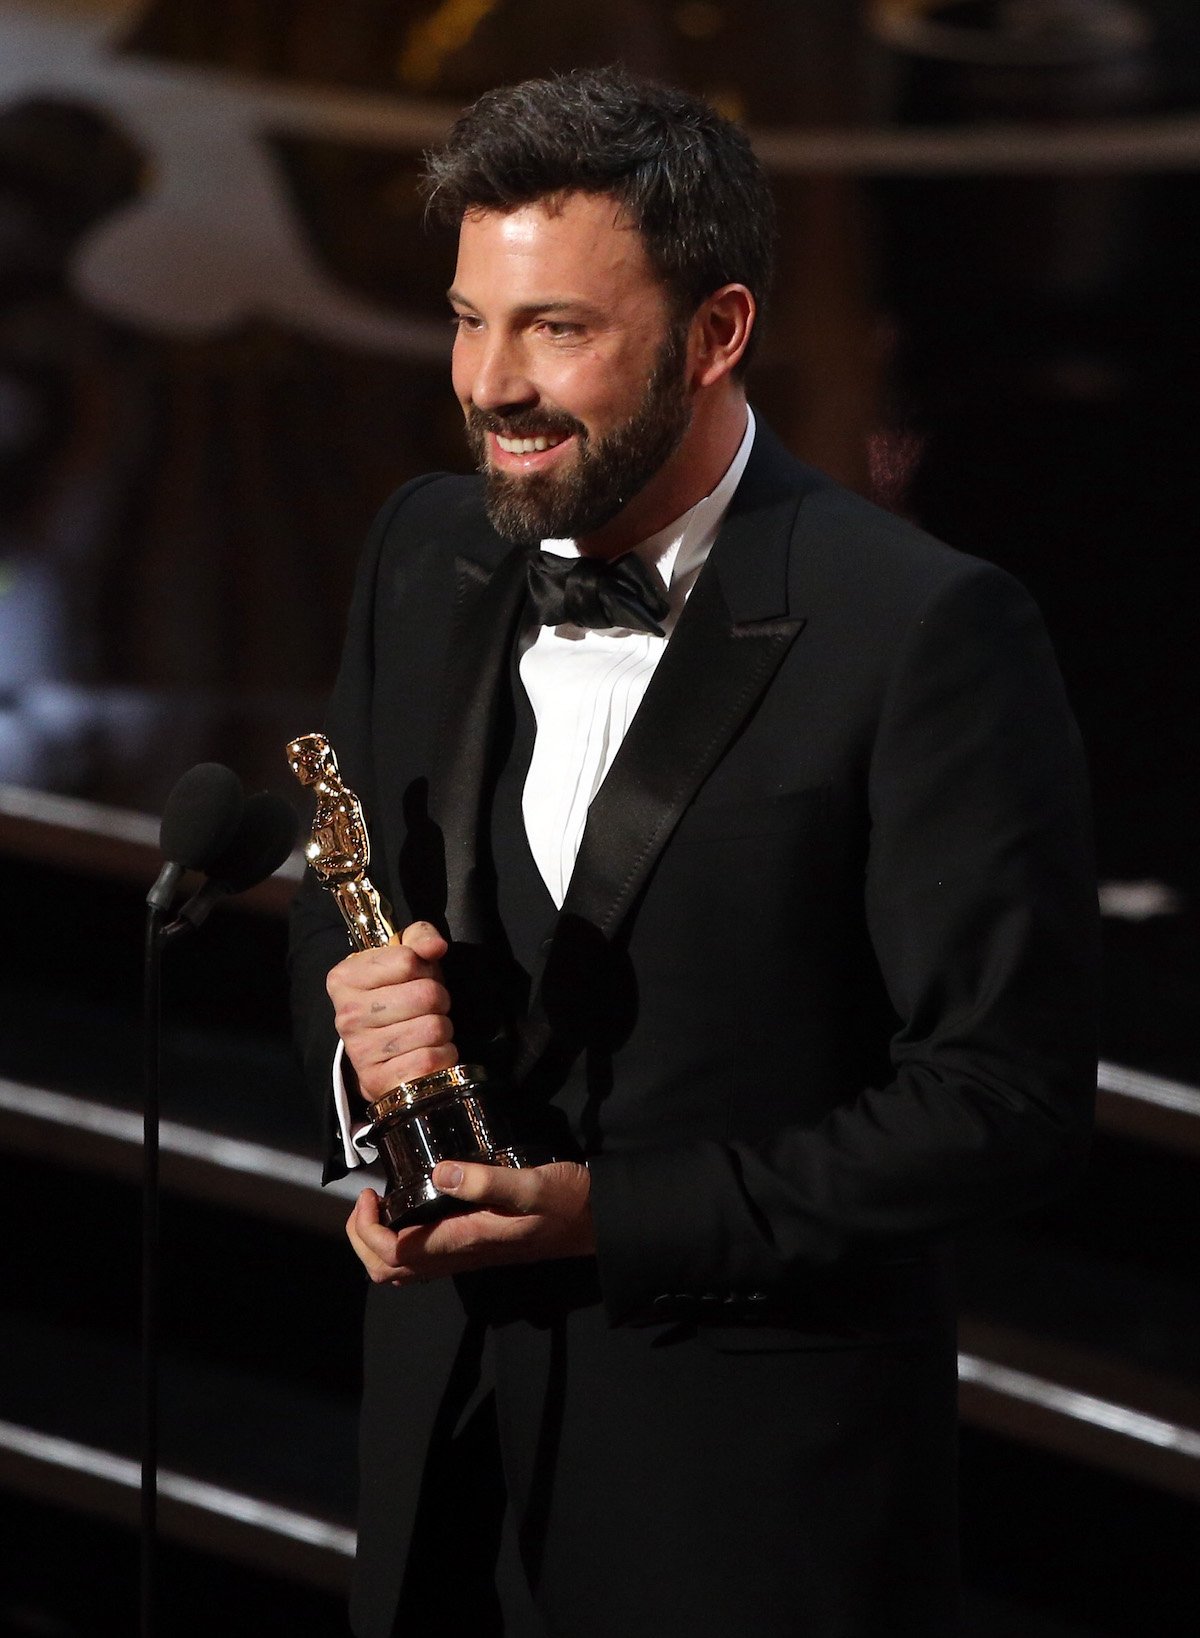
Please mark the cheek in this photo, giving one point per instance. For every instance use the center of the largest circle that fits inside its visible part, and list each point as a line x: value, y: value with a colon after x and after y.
x: 595, y: 391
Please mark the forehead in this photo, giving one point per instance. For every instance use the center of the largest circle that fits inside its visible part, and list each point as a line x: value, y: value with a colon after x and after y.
x: 579, y: 245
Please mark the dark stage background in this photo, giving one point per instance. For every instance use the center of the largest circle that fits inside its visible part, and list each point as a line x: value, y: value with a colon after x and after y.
x: 222, y: 344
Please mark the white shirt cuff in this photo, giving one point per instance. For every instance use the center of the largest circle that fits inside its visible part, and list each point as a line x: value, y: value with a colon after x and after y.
x: 355, y: 1147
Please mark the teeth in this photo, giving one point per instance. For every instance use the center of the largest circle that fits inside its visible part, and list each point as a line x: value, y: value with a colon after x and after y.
x: 526, y: 446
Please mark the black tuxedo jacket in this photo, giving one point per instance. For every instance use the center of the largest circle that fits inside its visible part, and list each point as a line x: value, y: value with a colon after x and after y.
x: 821, y: 993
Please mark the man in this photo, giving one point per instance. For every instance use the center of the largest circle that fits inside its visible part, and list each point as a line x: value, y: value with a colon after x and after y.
x: 760, y: 873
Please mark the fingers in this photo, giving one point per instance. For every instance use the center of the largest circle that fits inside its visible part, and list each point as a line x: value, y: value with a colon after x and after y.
x: 421, y: 1253
x: 376, y: 1079
x: 390, y: 1042
x: 381, y: 1252
x: 542, y: 1210
x: 391, y: 1010
x: 475, y: 1239
x: 519, y: 1215
x: 388, y: 965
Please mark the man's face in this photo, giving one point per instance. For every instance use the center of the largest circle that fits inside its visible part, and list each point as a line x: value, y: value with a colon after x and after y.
x: 568, y: 363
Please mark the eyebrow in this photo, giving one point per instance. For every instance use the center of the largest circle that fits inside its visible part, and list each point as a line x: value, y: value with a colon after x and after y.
x: 528, y: 309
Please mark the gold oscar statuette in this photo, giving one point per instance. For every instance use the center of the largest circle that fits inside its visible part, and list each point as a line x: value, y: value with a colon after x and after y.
x: 444, y: 1116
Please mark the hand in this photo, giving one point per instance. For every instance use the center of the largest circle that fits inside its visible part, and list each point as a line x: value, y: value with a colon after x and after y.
x: 525, y: 1216
x: 392, y: 1010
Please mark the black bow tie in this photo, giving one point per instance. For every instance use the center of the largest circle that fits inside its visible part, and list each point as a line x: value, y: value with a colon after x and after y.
x: 587, y: 591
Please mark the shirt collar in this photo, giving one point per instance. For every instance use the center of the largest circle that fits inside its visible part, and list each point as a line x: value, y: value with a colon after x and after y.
x: 677, y: 553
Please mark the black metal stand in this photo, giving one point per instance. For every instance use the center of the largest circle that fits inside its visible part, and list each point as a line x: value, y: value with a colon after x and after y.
x: 151, y: 1071
x: 158, y: 934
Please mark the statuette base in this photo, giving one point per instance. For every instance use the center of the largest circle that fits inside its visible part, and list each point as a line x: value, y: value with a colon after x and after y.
x: 440, y: 1117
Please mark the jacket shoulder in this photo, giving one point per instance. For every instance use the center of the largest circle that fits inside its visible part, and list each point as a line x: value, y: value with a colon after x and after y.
x: 438, y: 509
x: 846, y: 546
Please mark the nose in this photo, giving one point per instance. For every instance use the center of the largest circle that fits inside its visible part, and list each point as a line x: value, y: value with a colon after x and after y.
x: 492, y: 375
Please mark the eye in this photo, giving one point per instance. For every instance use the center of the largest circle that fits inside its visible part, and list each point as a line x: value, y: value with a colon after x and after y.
x: 466, y: 321
x: 560, y: 329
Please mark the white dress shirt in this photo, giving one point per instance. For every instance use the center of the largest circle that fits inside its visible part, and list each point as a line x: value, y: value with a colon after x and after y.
x: 584, y: 687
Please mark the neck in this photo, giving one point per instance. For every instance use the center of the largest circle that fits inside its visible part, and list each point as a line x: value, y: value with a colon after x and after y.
x: 693, y: 471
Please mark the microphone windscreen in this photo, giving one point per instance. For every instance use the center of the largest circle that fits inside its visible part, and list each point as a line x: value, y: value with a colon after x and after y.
x: 201, y: 815
x: 264, y: 837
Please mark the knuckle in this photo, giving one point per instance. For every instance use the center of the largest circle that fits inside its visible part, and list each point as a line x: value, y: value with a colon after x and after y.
x: 424, y: 996
x: 428, y: 1060
x: 432, y: 1030
x: 350, y: 973
x: 345, y: 1020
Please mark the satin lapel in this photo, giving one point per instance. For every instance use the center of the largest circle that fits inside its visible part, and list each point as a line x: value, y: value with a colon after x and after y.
x: 709, y: 680
x: 488, y: 606
x: 730, y: 640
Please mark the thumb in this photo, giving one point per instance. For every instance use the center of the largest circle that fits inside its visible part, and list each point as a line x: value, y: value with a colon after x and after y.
x: 514, y: 1191
x: 423, y: 938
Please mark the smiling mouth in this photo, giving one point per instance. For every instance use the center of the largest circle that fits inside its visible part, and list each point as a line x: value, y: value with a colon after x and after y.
x: 530, y: 446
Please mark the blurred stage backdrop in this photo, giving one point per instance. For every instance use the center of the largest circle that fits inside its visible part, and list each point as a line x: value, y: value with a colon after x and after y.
x: 222, y: 344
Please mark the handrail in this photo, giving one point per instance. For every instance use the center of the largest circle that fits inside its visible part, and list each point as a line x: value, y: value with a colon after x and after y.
x: 1085, y: 1404
x: 76, y: 834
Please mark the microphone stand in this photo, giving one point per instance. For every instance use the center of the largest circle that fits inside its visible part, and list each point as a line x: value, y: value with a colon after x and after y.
x: 158, y: 933
x: 209, y: 826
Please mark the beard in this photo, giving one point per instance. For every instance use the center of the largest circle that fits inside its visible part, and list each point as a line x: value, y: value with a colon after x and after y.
x: 606, y: 473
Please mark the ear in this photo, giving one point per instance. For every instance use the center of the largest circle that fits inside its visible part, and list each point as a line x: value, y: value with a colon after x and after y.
x: 720, y: 330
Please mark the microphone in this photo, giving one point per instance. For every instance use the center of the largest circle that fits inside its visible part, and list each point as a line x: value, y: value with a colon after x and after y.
x: 199, y: 822
x: 264, y: 838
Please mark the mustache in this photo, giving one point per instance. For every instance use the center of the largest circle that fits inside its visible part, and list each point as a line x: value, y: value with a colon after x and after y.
x: 524, y: 423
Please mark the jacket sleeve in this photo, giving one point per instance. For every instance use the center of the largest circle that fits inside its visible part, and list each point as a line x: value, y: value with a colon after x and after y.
x: 981, y: 907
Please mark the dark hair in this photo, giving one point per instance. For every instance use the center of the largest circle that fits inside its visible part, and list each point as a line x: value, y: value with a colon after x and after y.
x: 687, y: 178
